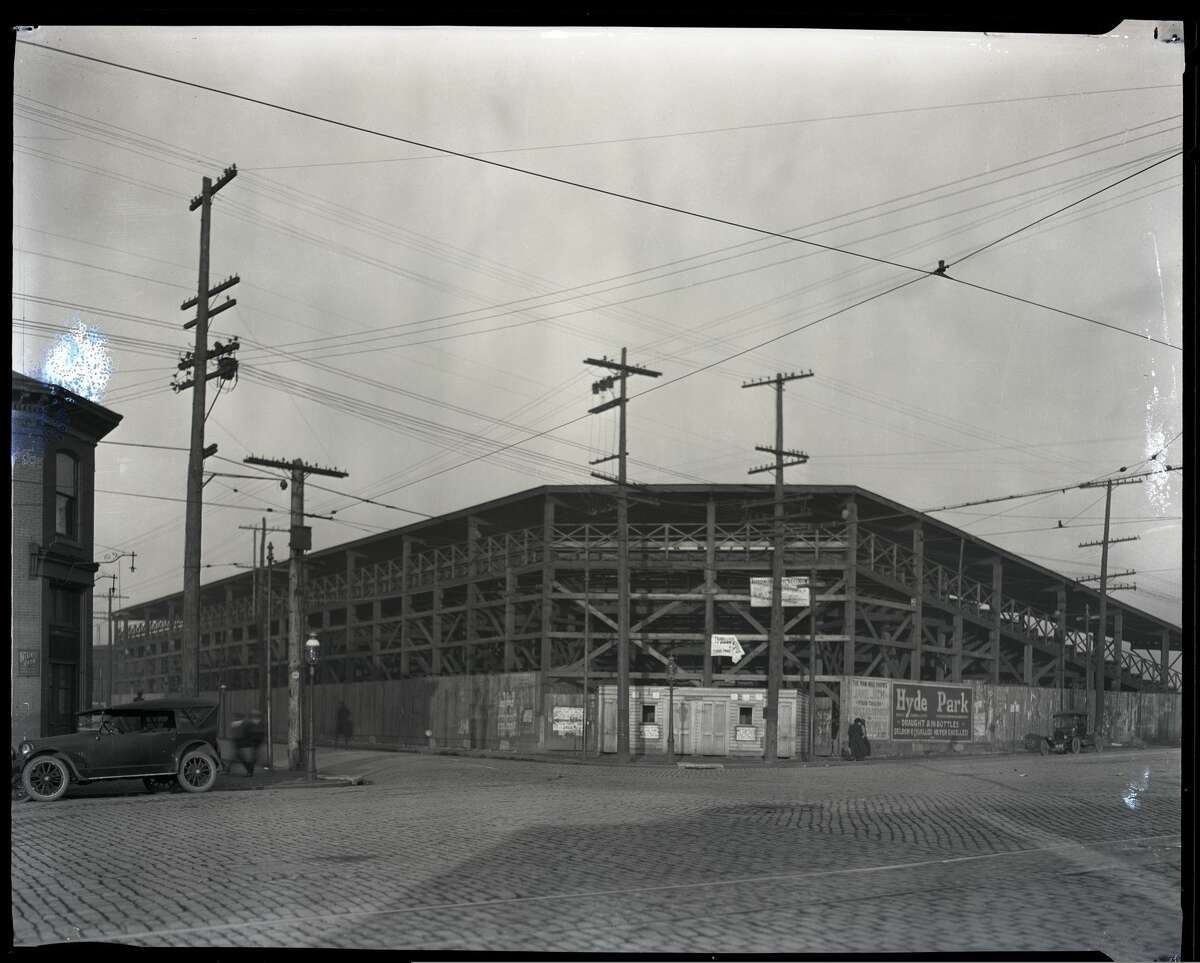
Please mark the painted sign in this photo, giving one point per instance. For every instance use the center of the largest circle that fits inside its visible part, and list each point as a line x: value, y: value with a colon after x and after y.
x: 795, y: 591
x: 745, y: 734
x: 28, y: 662
x: 568, y: 720
x: 651, y: 731
x: 871, y: 701
x: 931, y: 711
x: 506, y: 715
x: 727, y: 646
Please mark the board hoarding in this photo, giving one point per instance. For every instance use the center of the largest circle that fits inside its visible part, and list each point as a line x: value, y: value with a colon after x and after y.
x: 871, y: 701
x: 931, y: 712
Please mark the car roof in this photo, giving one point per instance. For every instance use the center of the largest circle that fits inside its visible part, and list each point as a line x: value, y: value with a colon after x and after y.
x: 151, y: 705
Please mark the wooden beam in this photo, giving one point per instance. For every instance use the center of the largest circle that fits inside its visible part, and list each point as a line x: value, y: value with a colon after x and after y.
x: 850, y: 577
x: 710, y: 584
x: 918, y: 612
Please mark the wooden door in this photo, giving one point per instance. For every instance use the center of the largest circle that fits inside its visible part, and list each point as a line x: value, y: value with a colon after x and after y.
x: 609, y: 720
x: 710, y: 726
x: 785, y: 744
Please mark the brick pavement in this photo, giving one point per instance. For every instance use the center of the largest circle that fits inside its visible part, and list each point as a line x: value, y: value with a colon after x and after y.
x: 445, y: 853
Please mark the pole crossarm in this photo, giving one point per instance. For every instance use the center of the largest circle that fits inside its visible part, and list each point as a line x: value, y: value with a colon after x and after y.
x: 295, y: 464
x: 615, y: 403
x: 227, y: 175
x: 619, y: 366
x: 223, y: 306
x: 777, y: 379
x: 1096, y: 578
x: 1131, y: 480
x: 212, y: 292
x: 1111, y: 541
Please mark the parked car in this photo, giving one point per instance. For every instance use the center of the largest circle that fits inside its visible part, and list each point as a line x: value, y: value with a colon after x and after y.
x: 1071, y: 734
x: 167, y: 743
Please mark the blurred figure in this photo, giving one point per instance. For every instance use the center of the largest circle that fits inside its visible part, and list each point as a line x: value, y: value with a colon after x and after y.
x: 138, y: 697
x: 247, y: 740
x: 345, y: 725
x: 860, y: 748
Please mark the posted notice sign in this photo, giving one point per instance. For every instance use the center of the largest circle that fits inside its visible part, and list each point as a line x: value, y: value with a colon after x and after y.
x: 871, y: 701
x: 795, y: 591
x: 931, y: 711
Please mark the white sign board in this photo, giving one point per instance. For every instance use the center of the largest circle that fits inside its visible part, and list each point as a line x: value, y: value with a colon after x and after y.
x: 727, y: 646
x: 795, y: 591
x: 568, y: 720
x: 651, y: 731
x: 871, y: 701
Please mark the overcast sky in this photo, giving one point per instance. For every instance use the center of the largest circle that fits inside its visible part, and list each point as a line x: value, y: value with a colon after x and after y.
x: 902, y: 146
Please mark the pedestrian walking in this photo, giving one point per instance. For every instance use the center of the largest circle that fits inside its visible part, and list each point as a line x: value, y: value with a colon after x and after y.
x: 345, y: 725
x: 247, y: 738
x: 138, y: 697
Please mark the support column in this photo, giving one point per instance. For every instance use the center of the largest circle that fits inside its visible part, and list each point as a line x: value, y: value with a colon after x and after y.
x: 850, y: 512
x: 1060, y: 672
x: 1118, y: 648
x: 352, y: 558
x: 956, y: 657
x: 547, y: 587
x: 471, y: 633
x: 1164, y: 658
x: 436, y: 659
x: 918, y: 623
x: 376, y: 632
x: 510, y: 613
x: 710, y: 587
x: 997, y: 601
x: 405, y: 605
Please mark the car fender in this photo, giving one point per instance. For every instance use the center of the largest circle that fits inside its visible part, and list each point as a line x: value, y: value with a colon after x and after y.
x: 76, y: 776
x: 183, y: 749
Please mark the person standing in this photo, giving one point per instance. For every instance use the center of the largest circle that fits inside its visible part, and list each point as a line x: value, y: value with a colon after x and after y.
x: 345, y: 725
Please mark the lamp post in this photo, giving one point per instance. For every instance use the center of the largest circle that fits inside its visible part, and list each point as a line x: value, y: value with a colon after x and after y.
x: 671, y: 668
x: 312, y: 654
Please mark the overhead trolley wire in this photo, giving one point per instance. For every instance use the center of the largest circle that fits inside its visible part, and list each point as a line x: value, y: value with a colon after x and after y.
x: 547, y: 177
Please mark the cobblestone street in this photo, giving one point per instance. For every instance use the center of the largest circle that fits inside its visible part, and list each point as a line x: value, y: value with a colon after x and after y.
x: 440, y: 853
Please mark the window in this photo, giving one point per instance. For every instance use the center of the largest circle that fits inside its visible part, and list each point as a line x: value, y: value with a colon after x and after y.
x: 158, y: 721
x: 648, y: 714
x: 745, y: 715
x: 66, y: 495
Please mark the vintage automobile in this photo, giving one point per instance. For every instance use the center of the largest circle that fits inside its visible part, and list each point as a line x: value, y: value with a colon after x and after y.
x: 167, y: 743
x: 1070, y: 734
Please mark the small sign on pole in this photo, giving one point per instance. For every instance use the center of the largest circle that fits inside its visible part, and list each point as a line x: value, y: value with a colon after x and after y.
x: 727, y: 646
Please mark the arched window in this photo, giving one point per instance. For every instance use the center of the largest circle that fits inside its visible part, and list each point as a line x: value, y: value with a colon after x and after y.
x: 66, y: 492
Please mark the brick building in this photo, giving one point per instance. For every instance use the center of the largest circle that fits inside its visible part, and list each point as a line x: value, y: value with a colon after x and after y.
x: 54, y: 436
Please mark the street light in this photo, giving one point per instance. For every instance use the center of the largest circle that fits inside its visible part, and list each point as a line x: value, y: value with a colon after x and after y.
x: 312, y: 654
x: 671, y: 669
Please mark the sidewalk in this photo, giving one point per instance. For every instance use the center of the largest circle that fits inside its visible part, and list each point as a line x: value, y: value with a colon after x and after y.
x: 576, y: 758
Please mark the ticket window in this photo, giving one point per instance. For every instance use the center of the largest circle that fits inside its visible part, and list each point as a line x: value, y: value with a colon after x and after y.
x: 745, y: 715
x: 648, y: 715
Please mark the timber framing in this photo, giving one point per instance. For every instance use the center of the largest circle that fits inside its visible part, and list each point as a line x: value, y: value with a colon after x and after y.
x: 506, y: 586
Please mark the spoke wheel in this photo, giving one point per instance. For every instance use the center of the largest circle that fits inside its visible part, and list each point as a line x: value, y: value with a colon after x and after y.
x: 1075, y: 747
x: 197, y: 771
x: 46, y: 779
x: 1044, y: 747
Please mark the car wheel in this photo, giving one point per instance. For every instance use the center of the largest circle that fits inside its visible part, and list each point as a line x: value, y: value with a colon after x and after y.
x: 197, y: 771
x: 45, y: 778
x: 1044, y: 748
x: 1075, y: 747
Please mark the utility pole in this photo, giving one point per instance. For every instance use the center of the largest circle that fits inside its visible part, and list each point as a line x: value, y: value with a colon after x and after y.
x: 197, y: 361
x: 623, y: 372
x: 775, y: 645
x: 301, y: 542
x: 112, y: 588
x: 1102, y: 628
x: 270, y: 647
x: 262, y: 611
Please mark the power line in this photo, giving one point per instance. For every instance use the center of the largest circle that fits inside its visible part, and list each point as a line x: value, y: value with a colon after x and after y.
x: 566, y: 182
x: 722, y: 130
